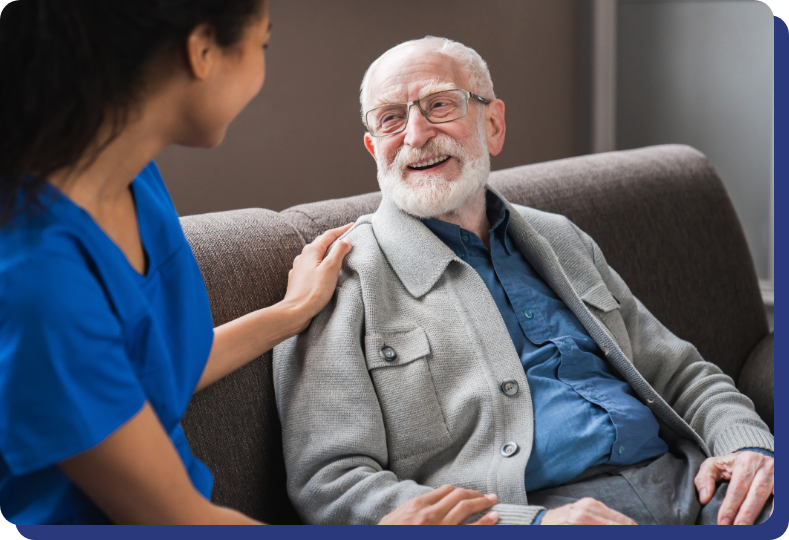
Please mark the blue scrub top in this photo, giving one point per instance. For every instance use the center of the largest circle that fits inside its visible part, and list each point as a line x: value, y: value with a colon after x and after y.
x: 85, y: 341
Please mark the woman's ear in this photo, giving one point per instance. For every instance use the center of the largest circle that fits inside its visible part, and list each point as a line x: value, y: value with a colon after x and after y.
x: 201, y: 48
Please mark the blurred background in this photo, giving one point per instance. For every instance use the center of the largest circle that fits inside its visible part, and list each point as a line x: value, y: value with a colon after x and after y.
x: 577, y: 77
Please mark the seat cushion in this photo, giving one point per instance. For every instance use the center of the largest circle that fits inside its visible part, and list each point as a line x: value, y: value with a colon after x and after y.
x: 233, y: 425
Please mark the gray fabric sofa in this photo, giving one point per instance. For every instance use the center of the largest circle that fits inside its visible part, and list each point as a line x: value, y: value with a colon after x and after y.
x: 665, y: 204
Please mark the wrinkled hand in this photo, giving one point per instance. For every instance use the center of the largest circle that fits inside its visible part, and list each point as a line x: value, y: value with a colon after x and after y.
x: 313, y: 278
x: 750, y: 476
x: 446, y: 505
x: 586, y: 511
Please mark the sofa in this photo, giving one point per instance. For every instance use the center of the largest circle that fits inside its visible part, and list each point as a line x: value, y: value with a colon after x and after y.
x: 660, y: 214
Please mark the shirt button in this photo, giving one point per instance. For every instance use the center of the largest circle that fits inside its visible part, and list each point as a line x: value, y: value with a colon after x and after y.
x: 460, y: 254
x: 568, y: 346
x: 509, y: 449
x: 528, y: 314
x: 464, y: 237
x: 621, y: 450
x: 387, y: 353
x: 510, y: 387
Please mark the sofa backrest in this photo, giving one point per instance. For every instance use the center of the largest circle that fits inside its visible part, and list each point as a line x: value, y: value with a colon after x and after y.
x: 662, y: 218
x: 233, y: 425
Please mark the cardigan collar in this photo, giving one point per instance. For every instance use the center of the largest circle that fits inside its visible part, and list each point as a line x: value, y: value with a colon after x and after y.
x: 419, y: 257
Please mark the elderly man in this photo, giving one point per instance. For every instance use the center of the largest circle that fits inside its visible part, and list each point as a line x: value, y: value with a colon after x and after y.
x: 487, y: 345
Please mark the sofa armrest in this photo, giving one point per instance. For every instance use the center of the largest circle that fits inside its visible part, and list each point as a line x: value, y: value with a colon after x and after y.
x: 756, y: 378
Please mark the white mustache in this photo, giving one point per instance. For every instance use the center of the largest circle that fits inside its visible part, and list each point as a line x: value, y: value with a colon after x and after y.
x: 440, y: 145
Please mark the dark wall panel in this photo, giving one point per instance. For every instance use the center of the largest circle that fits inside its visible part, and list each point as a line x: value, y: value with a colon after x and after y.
x: 300, y: 140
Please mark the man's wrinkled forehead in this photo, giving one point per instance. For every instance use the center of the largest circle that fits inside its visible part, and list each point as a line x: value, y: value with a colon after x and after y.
x: 412, y: 74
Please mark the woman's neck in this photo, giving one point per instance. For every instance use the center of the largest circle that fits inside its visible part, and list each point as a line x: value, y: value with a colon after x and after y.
x: 99, y: 184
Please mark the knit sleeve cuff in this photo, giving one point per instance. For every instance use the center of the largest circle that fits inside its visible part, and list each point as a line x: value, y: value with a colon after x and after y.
x: 514, y: 514
x: 739, y: 437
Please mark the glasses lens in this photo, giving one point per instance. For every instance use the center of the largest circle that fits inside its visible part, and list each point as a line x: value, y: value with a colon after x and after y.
x: 445, y: 106
x: 387, y: 119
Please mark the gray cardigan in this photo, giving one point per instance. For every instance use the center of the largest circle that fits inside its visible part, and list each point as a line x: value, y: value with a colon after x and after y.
x: 363, y: 432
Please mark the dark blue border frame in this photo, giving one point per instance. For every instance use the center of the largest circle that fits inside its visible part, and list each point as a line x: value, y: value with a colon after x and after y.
x: 774, y: 528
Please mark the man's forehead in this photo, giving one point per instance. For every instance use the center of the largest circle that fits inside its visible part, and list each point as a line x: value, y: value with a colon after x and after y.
x: 409, y: 76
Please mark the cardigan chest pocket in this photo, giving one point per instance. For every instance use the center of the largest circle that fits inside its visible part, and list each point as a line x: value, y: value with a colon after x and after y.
x: 606, y: 308
x: 398, y: 362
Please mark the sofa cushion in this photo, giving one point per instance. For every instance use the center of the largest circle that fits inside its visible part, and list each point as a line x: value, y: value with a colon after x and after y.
x: 233, y: 425
x: 757, y: 379
x: 314, y: 218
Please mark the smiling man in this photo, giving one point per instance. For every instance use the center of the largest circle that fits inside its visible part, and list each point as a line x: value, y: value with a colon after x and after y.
x: 488, y: 345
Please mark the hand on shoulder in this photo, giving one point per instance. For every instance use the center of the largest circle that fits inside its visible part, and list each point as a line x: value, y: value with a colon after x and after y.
x: 313, y: 278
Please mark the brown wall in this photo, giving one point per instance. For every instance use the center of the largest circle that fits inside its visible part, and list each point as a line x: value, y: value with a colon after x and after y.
x: 300, y: 140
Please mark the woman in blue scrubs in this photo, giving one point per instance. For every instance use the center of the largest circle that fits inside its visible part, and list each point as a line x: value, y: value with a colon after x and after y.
x: 105, y: 328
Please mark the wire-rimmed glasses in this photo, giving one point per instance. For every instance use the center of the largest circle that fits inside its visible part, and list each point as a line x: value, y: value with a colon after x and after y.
x: 437, y: 108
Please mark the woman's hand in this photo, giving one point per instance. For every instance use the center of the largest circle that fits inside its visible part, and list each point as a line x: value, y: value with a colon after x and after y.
x: 446, y: 505
x: 313, y: 278
x: 586, y: 511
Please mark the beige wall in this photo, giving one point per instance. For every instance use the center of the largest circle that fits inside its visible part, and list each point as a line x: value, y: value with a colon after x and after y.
x: 300, y: 140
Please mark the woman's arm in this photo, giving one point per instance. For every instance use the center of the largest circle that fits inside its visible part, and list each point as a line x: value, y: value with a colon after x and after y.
x: 311, y: 284
x: 137, y: 477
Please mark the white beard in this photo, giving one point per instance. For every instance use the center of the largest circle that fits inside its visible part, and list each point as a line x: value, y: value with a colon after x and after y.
x: 433, y: 195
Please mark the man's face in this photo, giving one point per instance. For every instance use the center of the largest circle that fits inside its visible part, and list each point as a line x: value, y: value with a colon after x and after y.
x: 428, y: 169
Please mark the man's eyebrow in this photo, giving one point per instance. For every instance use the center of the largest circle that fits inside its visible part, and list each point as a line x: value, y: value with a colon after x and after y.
x: 386, y: 98
x: 435, y: 85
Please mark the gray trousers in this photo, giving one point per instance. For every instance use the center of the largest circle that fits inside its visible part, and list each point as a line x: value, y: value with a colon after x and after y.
x: 654, y: 492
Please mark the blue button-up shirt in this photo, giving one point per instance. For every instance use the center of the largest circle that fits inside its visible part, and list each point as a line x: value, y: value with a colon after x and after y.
x: 584, y: 415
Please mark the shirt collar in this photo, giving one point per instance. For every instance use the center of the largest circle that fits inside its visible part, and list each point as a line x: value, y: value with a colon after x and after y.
x: 498, y: 216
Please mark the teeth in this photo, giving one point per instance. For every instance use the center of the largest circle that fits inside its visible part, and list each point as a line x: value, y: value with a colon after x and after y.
x: 429, y: 162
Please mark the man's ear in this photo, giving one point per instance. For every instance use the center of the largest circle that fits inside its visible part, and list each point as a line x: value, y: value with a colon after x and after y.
x: 368, y: 143
x: 495, y: 126
x: 201, y: 48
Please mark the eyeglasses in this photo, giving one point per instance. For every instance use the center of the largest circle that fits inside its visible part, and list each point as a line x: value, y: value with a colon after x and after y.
x: 438, y: 108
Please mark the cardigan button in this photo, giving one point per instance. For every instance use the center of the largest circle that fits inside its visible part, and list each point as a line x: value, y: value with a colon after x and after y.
x: 388, y: 353
x: 510, y: 387
x: 509, y: 449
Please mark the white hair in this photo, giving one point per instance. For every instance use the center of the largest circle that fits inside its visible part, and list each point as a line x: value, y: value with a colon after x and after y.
x: 470, y: 61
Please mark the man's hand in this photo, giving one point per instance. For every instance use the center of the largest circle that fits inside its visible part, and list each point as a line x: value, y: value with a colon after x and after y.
x: 446, y: 505
x: 586, y: 511
x: 750, y: 476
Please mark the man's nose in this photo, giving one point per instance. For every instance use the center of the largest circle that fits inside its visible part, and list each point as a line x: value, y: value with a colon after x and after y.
x: 418, y: 130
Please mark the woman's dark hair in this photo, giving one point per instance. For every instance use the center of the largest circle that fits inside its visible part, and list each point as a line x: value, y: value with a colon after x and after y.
x: 69, y: 66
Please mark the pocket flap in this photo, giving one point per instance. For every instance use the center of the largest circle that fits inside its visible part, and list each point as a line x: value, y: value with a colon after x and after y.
x: 600, y: 297
x: 408, y: 345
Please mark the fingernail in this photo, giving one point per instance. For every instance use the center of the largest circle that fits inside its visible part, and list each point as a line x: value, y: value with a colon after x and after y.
x: 492, y: 496
x: 493, y: 515
x: 726, y: 521
x: 703, y: 493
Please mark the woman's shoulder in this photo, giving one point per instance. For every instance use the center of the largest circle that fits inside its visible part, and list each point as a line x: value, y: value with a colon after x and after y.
x: 51, y: 281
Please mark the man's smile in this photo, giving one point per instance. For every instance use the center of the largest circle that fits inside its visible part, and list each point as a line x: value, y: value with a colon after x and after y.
x: 431, y: 163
